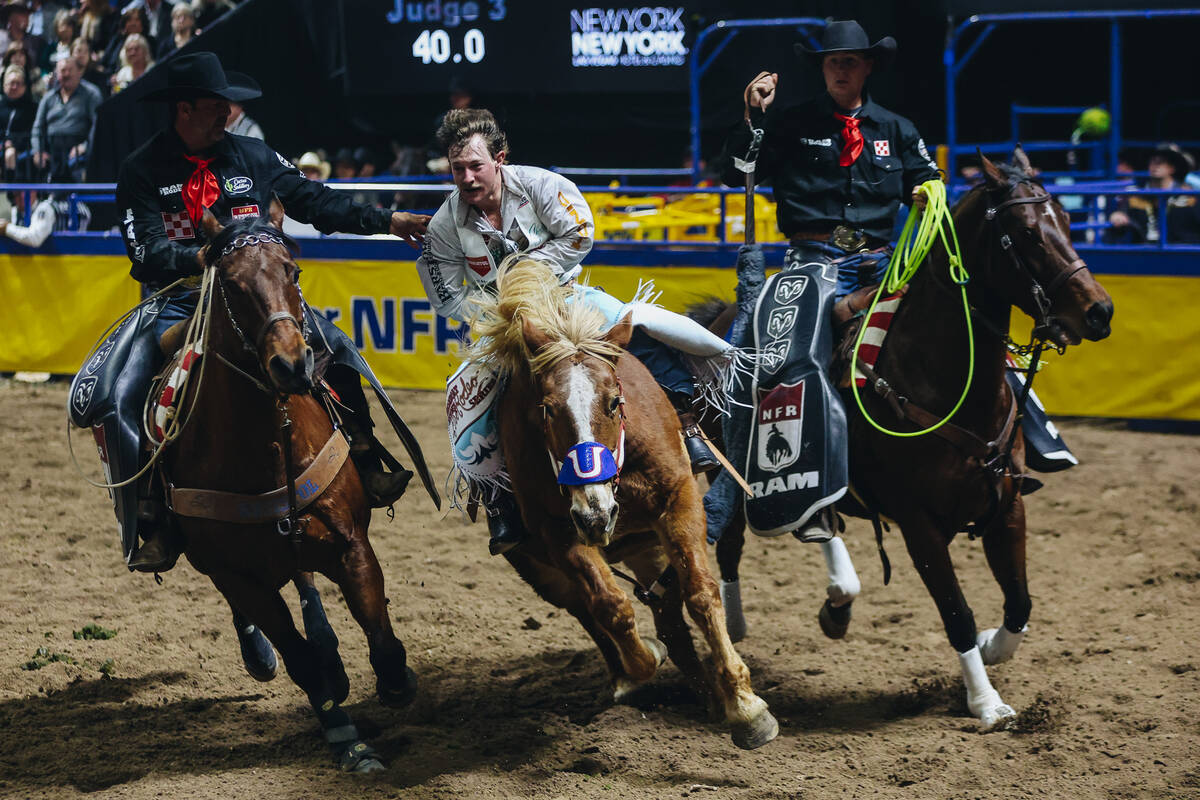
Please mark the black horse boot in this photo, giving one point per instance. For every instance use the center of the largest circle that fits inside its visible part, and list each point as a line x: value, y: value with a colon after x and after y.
x: 504, y: 524
x: 699, y: 454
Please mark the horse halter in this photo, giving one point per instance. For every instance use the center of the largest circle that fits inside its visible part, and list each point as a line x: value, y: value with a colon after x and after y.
x: 254, y: 240
x: 1042, y: 296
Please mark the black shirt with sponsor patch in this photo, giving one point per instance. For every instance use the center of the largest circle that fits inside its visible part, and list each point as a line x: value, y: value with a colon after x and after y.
x: 799, y: 157
x: 161, y: 239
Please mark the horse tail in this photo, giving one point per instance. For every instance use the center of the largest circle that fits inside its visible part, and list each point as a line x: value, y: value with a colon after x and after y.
x: 706, y: 310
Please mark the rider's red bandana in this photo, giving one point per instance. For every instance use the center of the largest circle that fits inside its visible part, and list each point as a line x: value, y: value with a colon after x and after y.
x: 852, y: 140
x: 200, y: 190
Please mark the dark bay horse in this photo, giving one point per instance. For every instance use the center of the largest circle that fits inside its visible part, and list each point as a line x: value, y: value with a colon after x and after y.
x: 572, y: 386
x: 255, y: 426
x: 1016, y: 245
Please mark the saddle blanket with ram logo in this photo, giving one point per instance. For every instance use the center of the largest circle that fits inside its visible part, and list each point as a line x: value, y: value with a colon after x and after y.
x: 796, y: 459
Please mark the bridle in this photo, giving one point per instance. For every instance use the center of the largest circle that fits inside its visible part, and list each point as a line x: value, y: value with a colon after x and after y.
x: 1042, y: 295
x: 253, y: 240
x: 618, y: 457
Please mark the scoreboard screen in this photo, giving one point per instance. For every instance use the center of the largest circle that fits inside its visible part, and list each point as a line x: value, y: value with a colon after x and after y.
x: 397, y: 46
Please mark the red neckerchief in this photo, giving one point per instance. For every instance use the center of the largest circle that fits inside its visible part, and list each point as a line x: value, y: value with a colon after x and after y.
x: 200, y: 190
x: 852, y: 140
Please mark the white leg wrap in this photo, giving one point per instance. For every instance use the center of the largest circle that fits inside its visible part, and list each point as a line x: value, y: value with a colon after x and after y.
x: 731, y: 601
x: 997, y: 645
x: 982, y: 700
x: 843, y: 585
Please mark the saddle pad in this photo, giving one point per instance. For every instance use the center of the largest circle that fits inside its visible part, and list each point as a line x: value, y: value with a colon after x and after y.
x: 167, y: 404
x: 877, y: 328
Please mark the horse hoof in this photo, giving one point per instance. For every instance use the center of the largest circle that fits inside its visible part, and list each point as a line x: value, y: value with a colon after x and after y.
x: 257, y: 654
x: 359, y: 758
x: 835, y: 621
x: 658, y: 649
x: 400, y: 696
x: 756, y: 732
x: 996, y: 718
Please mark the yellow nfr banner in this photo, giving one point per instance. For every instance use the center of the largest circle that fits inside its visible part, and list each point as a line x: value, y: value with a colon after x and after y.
x: 57, y: 306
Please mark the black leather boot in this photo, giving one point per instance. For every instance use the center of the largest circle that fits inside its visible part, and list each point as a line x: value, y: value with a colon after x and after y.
x: 819, y: 528
x: 383, y: 488
x: 160, y: 548
x: 701, y: 456
x: 505, y: 524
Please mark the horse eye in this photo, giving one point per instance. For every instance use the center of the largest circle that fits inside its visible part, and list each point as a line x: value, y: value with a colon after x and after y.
x: 296, y: 276
x: 614, y: 404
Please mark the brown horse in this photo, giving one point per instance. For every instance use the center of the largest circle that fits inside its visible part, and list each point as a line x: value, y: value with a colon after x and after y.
x: 572, y: 387
x: 253, y: 428
x: 1016, y: 244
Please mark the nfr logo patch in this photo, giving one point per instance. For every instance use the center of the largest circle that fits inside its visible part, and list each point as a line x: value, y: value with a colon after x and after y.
x: 780, y: 421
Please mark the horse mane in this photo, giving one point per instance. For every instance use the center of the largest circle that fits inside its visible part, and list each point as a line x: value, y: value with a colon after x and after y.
x: 529, y: 291
x: 706, y: 310
x: 246, y: 227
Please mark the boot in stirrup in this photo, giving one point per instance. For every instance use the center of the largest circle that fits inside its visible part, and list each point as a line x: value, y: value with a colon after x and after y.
x: 504, y: 524
x: 699, y: 454
x: 158, y: 551
x: 383, y: 488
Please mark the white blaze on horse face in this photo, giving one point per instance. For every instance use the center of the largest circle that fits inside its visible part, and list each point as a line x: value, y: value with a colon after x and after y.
x: 593, y: 504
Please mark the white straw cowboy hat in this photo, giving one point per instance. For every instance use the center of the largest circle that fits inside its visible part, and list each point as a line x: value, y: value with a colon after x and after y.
x: 311, y: 160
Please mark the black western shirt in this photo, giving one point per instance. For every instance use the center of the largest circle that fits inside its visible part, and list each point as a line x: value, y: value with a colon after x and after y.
x: 799, y: 157
x: 162, y: 240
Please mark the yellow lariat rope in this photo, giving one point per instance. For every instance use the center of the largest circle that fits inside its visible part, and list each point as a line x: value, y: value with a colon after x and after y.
x: 921, y: 230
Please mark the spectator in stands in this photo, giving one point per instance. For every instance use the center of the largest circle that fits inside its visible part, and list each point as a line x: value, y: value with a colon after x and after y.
x: 132, y: 21
x: 64, y: 121
x: 41, y: 18
x: 183, y: 30
x: 81, y: 52
x: 344, y: 165
x: 17, y: 113
x: 97, y: 23
x: 135, y: 60
x: 314, y: 167
x: 158, y: 18
x: 209, y: 11
x: 16, y: 31
x: 66, y: 28
x: 15, y: 55
x: 1136, y: 219
x: 242, y: 125
x: 48, y: 216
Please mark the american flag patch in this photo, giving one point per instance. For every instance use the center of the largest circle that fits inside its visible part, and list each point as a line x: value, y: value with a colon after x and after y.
x: 178, y: 225
x: 877, y: 328
x: 882, y: 148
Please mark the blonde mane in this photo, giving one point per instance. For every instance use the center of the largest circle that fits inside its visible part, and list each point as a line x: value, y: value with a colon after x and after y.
x: 528, y: 290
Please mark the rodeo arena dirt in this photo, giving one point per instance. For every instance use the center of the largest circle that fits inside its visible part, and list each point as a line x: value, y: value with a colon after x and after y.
x: 949, y: 586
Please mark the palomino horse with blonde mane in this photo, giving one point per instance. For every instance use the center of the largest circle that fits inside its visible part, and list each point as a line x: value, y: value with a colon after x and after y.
x: 575, y: 397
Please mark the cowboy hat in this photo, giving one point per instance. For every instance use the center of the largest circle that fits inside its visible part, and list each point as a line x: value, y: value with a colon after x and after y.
x: 1179, y: 159
x: 201, y: 74
x: 311, y: 160
x: 847, y: 36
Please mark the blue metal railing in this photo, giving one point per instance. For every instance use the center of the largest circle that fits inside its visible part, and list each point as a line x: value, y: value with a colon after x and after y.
x: 955, y: 64
x: 105, y: 193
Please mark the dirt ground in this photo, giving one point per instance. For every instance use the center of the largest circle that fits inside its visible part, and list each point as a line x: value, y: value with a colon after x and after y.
x: 513, y: 696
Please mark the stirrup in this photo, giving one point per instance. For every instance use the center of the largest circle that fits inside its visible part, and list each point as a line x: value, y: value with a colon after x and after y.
x: 154, y: 555
x: 819, y: 528
x: 384, y: 488
x: 699, y: 454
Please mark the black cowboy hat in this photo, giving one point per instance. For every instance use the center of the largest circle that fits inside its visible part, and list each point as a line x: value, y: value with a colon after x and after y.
x: 1177, y: 157
x: 201, y: 74
x: 847, y: 36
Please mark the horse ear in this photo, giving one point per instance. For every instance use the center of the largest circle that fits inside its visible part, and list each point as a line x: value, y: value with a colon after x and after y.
x: 1021, y: 161
x: 210, y: 225
x: 534, y: 339
x: 620, y: 333
x: 275, y: 213
x: 995, y: 178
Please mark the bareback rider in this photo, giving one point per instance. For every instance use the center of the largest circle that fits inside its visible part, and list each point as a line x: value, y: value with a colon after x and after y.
x: 499, y: 209
x: 162, y: 192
